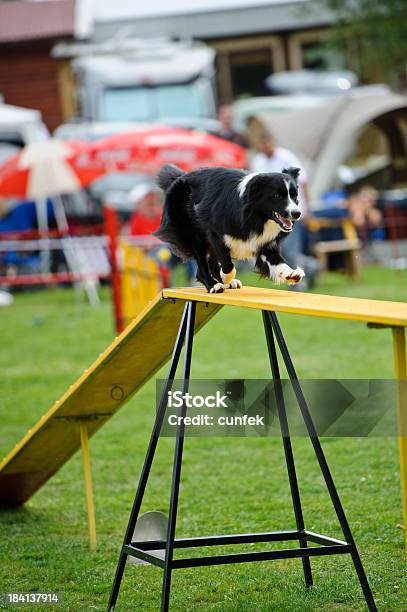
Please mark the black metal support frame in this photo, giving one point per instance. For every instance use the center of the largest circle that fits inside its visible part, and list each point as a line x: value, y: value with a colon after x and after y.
x: 325, y: 545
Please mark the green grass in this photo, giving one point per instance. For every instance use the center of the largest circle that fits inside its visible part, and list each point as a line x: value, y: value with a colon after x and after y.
x: 228, y: 485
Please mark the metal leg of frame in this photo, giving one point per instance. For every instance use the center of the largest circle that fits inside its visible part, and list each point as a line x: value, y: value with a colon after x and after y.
x: 288, y: 451
x: 149, y: 458
x: 323, y: 463
x: 176, y: 474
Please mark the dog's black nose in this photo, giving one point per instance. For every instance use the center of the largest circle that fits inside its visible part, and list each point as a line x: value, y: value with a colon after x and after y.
x: 296, y: 214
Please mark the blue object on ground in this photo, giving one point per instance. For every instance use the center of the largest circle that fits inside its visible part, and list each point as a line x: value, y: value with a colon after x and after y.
x: 23, y: 217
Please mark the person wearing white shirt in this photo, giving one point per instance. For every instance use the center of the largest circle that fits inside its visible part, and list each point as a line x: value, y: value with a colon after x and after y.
x: 273, y: 159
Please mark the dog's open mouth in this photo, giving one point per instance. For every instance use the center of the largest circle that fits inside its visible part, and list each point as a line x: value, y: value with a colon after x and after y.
x: 285, y: 224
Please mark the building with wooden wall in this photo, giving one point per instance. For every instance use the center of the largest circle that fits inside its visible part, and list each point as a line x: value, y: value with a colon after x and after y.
x: 29, y: 76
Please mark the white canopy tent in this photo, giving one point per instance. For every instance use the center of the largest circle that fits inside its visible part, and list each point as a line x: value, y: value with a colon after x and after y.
x: 324, y: 136
x: 21, y: 123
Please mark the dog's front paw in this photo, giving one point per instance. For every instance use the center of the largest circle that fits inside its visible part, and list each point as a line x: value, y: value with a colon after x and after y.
x: 234, y: 284
x: 282, y: 273
x: 295, y: 277
x: 217, y: 288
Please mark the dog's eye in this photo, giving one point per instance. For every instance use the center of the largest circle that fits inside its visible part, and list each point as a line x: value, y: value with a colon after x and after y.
x: 275, y: 195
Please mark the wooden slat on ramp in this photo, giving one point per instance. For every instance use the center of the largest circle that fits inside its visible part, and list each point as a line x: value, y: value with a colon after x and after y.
x: 130, y: 361
x: 380, y: 312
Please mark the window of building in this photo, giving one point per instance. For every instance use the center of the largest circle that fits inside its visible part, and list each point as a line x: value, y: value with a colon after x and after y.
x: 249, y: 71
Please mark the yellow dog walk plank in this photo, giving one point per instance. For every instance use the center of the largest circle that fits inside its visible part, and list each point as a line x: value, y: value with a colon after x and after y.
x: 135, y: 356
x: 333, y: 307
x: 130, y: 361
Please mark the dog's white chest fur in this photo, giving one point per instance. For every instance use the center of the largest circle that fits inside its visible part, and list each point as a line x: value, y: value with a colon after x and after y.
x: 245, y: 249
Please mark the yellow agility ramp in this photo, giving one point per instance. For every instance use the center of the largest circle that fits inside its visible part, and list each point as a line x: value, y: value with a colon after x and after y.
x: 129, y: 362
x: 139, y: 352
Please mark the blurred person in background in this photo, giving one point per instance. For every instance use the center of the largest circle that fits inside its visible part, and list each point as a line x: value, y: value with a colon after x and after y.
x: 364, y: 212
x: 227, y: 131
x: 146, y: 218
x: 271, y: 158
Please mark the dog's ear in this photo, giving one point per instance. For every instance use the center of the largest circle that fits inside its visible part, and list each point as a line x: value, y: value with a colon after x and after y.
x: 293, y: 172
x: 255, y: 189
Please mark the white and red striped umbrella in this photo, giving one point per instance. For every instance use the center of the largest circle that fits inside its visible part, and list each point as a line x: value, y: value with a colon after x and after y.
x: 52, y: 168
x: 146, y: 150
x: 45, y: 169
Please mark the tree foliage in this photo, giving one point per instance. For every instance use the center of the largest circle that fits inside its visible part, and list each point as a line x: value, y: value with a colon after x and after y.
x: 378, y: 28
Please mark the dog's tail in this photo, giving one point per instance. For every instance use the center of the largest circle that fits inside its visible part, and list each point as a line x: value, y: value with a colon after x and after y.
x: 177, y: 223
x: 167, y: 175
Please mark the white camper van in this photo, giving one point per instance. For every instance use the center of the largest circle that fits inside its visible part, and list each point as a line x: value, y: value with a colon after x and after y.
x: 142, y: 81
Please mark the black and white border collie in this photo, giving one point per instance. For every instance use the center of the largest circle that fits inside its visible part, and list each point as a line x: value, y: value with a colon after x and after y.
x: 215, y: 215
